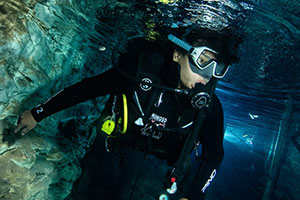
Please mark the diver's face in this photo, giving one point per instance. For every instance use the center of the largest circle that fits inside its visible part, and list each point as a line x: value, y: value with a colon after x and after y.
x: 187, y: 76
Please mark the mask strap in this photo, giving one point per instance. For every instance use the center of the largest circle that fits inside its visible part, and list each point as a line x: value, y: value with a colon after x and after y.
x: 180, y: 43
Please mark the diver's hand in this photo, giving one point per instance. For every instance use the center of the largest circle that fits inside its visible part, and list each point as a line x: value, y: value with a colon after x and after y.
x: 183, y: 199
x: 26, y: 122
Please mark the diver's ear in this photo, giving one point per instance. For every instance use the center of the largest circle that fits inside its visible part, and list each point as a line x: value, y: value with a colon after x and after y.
x: 176, y: 56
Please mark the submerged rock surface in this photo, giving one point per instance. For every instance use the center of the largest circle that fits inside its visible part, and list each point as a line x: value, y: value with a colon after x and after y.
x: 46, y: 46
x: 40, y: 53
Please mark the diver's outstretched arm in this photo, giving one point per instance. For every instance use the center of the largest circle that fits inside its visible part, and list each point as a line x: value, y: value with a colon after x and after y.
x: 110, y: 82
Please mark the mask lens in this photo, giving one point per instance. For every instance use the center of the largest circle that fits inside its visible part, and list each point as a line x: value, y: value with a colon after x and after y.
x: 220, y: 69
x: 206, y: 72
x: 205, y: 58
x: 203, y: 61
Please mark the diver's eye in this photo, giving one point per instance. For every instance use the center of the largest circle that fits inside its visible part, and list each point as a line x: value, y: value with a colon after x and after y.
x: 205, y: 57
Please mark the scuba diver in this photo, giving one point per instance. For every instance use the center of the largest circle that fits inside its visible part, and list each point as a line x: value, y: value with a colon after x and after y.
x: 162, y: 103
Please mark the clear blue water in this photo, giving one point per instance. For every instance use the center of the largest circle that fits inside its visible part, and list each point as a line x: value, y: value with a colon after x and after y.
x: 259, y: 150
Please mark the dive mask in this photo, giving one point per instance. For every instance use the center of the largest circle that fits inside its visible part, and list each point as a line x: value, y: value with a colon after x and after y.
x: 202, y: 59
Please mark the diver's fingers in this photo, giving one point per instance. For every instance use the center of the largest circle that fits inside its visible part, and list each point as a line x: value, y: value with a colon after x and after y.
x: 26, y: 122
x: 20, y: 123
x: 25, y: 130
x: 19, y: 127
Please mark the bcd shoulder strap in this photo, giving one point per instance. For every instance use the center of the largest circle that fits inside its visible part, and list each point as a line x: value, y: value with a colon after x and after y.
x: 177, y: 171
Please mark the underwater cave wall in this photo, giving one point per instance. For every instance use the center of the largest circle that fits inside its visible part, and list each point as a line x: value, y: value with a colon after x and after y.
x: 45, y: 46
x: 42, y: 50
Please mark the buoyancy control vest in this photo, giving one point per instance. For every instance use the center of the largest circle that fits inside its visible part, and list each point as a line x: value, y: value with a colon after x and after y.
x: 164, y: 121
x: 161, y: 113
x: 156, y: 113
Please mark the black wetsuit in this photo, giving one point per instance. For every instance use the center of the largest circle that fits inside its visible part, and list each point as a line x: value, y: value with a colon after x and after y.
x: 168, y: 110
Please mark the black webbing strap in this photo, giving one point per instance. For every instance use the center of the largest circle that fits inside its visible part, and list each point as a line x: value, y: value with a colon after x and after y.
x: 178, y: 168
x: 190, y: 140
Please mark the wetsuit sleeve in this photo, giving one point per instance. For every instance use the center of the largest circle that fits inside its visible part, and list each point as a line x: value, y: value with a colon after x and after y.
x: 211, y: 137
x: 109, y: 82
x: 113, y: 81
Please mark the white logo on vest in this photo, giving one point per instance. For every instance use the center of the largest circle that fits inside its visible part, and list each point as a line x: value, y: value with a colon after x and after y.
x: 151, y: 127
x: 200, y: 100
x: 146, y: 84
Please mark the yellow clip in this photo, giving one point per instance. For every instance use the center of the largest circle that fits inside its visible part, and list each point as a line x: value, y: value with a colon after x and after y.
x: 125, y: 114
x: 108, y: 127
